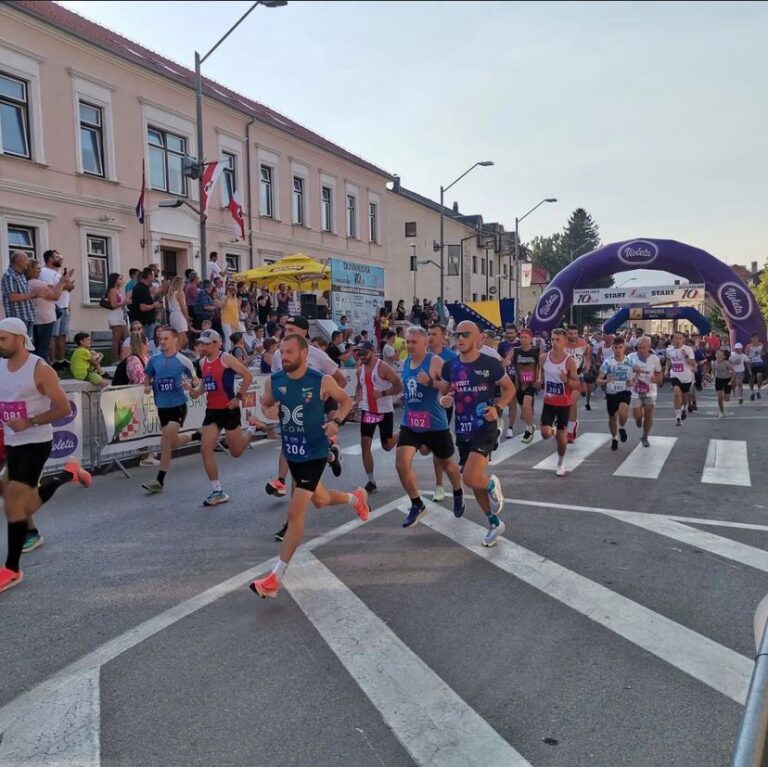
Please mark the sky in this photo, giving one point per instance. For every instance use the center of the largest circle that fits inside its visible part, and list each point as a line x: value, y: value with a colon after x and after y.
x: 652, y: 116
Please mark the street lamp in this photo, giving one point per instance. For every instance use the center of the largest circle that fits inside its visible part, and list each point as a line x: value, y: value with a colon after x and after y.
x: 199, y: 107
x: 517, y: 254
x: 443, y: 190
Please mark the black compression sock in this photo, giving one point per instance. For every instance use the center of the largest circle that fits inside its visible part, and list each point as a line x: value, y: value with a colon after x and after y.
x: 458, y: 493
x: 49, y: 485
x: 17, y: 532
x: 197, y: 435
x: 417, y: 501
x: 161, y: 477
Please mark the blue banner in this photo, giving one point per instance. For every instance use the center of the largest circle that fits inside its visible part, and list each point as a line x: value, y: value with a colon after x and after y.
x: 353, y: 277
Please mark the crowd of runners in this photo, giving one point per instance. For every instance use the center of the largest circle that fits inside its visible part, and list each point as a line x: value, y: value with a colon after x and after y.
x: 455, y: 391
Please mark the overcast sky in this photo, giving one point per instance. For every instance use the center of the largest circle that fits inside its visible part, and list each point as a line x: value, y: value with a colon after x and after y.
x: 652, y: 116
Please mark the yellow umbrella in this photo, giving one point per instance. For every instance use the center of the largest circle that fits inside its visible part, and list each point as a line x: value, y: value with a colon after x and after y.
x: 297, y: 271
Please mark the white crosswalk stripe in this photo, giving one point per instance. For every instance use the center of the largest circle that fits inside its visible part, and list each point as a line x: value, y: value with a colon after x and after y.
x: 727, y: 463
x: 513, y: 446
x: 577, y: 453
x: 647, y: 462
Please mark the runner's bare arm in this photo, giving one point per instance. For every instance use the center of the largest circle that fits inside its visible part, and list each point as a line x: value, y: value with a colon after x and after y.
x: 573, y: 376
x: 47, y: 383
x: 389, y: 375
x: 507, y: 391
x: 329, y: 388
x: 338, y: 376
x: 229, y: 361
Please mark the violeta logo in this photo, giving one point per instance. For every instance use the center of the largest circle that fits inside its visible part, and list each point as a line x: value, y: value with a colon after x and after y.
x: 64, y: 444
x: 638, y: 252
x: 549, y: 304
x: 734, y: 299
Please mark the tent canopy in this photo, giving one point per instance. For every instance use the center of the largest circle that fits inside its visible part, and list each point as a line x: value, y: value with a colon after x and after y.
x: 298, y: 271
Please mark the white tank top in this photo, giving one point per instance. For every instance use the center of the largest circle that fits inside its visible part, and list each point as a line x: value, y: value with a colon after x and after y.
x: 19, y: 398
x: 173, y: 304
x: 371, y: 381
x: 555, y: 391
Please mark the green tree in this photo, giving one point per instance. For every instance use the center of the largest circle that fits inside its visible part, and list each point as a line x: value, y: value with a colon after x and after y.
x: 761, y: 293
x: 581, y: 234
x: 715, y: 316
x: 548, y: 253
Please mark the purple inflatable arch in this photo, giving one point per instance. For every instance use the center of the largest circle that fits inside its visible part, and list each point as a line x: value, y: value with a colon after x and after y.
x: 736, y: 301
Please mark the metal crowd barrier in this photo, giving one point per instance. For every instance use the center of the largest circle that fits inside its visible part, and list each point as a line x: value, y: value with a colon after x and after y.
x: 751, y: 749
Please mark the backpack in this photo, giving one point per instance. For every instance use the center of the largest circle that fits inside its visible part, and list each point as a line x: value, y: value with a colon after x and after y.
x: 120, y: 376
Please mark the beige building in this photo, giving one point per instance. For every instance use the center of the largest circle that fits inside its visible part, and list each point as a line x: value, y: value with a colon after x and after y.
x: 82, y: 108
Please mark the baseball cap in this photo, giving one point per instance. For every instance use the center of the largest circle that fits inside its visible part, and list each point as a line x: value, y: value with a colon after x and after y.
x: 365, y: 346
x: 16, y: 327
x: 209, y: 336
x: 735, y: 346
x: 298, y: 321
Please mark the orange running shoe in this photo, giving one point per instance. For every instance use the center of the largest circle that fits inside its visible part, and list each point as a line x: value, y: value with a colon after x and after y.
x: 8, y: 578
x: 362, y: 509
x: 266, y: 587
x: 80, y: 474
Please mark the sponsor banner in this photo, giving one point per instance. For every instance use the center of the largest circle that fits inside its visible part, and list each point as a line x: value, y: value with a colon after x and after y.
x: 360, y: 310
x: 653, y: 294
x: 68, y: 434
x: 131, y: 421
x: 350, y: 276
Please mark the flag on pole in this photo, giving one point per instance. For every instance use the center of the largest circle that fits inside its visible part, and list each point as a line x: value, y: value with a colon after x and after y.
x: 236, y: 209
x: 211, y: 175
x: 140, y: 203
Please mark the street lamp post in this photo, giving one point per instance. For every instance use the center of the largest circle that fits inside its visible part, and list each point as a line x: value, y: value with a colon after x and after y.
x: 443, y: 190
x: 517, y: 254
x: 199, y: 109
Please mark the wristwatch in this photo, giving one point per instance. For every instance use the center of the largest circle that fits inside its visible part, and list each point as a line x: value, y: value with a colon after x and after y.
x: 239, y: 395
x: 34, y: 421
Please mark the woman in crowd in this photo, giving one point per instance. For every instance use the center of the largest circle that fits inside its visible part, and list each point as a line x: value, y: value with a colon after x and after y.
x: 178, y: 313
x: 400, y: 311
x: 116, y: 317
x: 45, y: 297
x: 230, y: 314
x: 266, y: 358
x: 283, y: 300
x: 238, y: 349
x: 380, y: 327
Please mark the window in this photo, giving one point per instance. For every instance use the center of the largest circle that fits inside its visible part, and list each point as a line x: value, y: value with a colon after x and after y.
x: 453, y: 259
x: 166, y: 151
x: 505, y: 270
x: 490, y: 267
x: 351, y: 215
x: 14, y: 116
x: 474, y: 264
x: 230, y: 174
x: 373, y: 222
x: 97, y: 257
x: 91, y: 139
x: 482, y: 266
x: 233, y: 262
x: 266, y: 198
x: 327, y: 208
x: 22, y: 238
x: 410, y: 228
x: 298, y: 200
x: 474, y: 295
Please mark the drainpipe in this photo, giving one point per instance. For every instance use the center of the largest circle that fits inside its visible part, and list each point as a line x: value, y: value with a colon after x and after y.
x: 248, y: 188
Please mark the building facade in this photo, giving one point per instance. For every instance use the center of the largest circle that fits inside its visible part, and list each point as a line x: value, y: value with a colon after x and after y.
x: 83, y: 110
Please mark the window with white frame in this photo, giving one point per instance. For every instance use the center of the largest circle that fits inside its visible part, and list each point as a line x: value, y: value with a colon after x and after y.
x: 23, y: 238
x: 97, y: 262
x: 91, y: 138
x: 298, y: 200
x: 490, y: 266
x: 233, y: 262
x: 505, y: 269
x: 166, y: 151
x: 229, y: 174
x: 474, y: 264
x: 351, y: 215
x: 327, y: 208
x: 373, y: 221
x: 14, y: 116
x: 266, y: 191
x: 482, y: 266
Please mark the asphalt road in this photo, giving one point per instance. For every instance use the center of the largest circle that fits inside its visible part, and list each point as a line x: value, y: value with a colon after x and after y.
x: 613, y: 626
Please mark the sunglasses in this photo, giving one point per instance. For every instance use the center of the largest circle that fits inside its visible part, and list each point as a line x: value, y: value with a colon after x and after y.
x: 463, y: 334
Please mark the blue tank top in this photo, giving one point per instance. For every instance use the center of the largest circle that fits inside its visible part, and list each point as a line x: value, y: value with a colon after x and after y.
x: 422, y: 410
x: 302, y: 415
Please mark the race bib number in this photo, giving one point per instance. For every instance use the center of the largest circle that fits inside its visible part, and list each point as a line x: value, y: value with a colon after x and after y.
x: 527, y: 376
x: 295, y: 447
x: 373, y: 417
x: 166, y: 384
x: 209, y: 383
x: 678, y: 367
x: 641, y: 387
x: 9, y: 410
x: 555, y: 388
x: 463, y: 427
x: 418, y: 419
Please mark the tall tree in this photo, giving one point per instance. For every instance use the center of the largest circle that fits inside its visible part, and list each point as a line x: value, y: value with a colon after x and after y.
x: 548, y: 253
x: 761, y: 292
x: 581, y: 234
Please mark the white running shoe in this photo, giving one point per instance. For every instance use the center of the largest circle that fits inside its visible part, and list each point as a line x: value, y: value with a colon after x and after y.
x: 492, y: 536
x: 510, y: 433
x: 495, y: 495
x: 560, y: 470
x: 439, y: 494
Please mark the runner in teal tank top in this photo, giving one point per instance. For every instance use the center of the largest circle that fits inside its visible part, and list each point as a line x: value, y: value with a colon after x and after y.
x: 299, y: 394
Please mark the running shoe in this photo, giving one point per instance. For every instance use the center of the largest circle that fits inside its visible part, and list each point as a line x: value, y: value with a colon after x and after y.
x: 215, y: 498
x: 275, y: 487
x: 741, y: 400
x: 645, y: 442
x: 79, y: 474
x: 588, y: 406
x: 720, y: 415
x: 560, y: 471
x: 575, y: 430
x: 623, y: 434
x: 571, y: 438
x: 266, y: 587
x: 510, y: 433
x: 362, y: 509
x: 8, y: 578
x: 751, y: 397
x: 153, y: 487
x: 459, y: 507
x: 527, y: 437
x: 614, y: 444
x: 370, y: 487
x: 495, y: 495
x: 32, y: 541
x: 280, y: 534
x: 439, y: 494
x: 492, y: 536
x: 678, y: 422
x: 150, y: 460
x: 415, y: 513
x: 334, y: 460
x: 684, y: 414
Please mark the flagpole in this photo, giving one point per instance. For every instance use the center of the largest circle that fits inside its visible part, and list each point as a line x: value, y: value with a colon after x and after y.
x: 145, y: 223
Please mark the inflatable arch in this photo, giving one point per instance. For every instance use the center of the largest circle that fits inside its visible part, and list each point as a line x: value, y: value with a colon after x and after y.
x: 735, y: 299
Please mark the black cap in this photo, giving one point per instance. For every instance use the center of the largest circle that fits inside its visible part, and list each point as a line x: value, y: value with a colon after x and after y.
x: 365, y: 346
x: 298, y: 321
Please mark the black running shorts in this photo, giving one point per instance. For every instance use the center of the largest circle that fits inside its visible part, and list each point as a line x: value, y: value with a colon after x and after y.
x: 521, y: 394
x: 612, y: 401
x: 384, y: 421
x: 25, y: 463
x: 439, y: 443
x: 684, y: 387
x: 483, y: 443
x: 723, y: 384
x: 224, y: 418
x: 168, y: 415
x: 555, y: 413
x: 306, y: 474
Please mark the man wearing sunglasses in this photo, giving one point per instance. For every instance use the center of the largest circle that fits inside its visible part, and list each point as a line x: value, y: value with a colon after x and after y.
x: 469, y: 382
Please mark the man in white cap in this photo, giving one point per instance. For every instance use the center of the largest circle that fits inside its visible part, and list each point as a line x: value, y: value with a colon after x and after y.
x: 31, y: 399
x: 738, y: 362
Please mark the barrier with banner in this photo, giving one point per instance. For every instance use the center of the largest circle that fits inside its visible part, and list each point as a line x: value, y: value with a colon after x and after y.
x: 653, y: 294
x: 68, y: 434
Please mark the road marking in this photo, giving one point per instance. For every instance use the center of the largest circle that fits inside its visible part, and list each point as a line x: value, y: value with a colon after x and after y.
x: 668, y: 527
x: 433, y: 723
x: 727, y: 463
x: 647, y: 462
x: 513, y: 446
x: 70, y: 726
x: 577, y: 453
x: 358, y: 449
x: 718, y: 523
x: 718, y: 667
